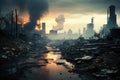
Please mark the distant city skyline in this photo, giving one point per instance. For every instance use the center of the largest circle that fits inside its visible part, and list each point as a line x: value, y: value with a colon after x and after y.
x: 78, y: 13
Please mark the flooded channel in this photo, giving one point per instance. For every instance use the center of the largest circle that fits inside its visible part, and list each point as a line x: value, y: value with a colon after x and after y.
x: 48, y: 66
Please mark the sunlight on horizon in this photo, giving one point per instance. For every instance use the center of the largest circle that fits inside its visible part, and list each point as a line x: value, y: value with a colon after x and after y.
x: 75, y: 21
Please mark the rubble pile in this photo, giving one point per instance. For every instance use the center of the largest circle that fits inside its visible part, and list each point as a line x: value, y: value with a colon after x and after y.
x: 100, y: 59
x: 11, y: 50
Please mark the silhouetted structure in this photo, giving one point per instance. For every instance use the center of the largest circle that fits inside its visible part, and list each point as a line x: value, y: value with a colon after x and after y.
x: 70, y: 32
x: 16, y: 20
x: 8, y: 23
x: 112, y: 21
x: 89, y: 32
x: 53, y: 32
x: 43, y: 28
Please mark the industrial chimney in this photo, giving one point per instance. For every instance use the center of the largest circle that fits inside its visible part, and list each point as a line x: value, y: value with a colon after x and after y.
x: 112, y: 23
x: 43, y: 28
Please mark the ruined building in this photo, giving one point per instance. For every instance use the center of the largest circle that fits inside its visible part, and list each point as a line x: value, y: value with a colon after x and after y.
x: 112, y: 18
x: 111, y: 22
x: 89, y: 32
x: 43, y: 29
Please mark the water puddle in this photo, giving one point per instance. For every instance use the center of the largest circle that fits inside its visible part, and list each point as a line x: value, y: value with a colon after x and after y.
x: 51, y: 67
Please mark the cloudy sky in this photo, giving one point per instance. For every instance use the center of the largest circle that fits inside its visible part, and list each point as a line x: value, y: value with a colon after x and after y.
x: 78, y: 13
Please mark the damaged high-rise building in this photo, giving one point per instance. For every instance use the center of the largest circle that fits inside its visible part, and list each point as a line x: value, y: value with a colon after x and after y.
x: 112, y: 18
x: 111, y: 22
x: 89, y: 31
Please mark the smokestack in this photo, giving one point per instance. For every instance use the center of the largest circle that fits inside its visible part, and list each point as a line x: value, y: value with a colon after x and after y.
x: 92, y: 20
x: 43, y: 28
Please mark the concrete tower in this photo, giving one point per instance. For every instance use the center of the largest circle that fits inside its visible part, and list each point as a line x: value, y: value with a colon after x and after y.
x: 43, y: 28
x: 112, y: 22
x: 89, y: 31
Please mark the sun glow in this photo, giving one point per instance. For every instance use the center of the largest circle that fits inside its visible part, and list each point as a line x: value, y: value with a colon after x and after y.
x: 76, y: 21
x: 53, y: 56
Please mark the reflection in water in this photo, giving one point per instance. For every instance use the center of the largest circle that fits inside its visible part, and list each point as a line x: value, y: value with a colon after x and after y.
x: 53, y: 56
x: 58, y: 72
x: 51, y: 70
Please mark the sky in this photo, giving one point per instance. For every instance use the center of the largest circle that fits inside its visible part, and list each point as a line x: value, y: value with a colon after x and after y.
x: 78, y: 13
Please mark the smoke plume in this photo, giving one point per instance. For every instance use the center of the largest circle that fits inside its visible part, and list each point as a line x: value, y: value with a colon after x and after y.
x: 35, y: 8
x: 60, y: 22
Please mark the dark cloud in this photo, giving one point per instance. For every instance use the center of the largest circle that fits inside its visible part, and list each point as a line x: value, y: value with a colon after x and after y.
x: 36, y: 8
x: 84, y: 6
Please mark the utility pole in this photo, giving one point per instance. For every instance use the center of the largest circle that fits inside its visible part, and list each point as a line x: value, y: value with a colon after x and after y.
x: 12, y: 27
x: 16, y: 18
